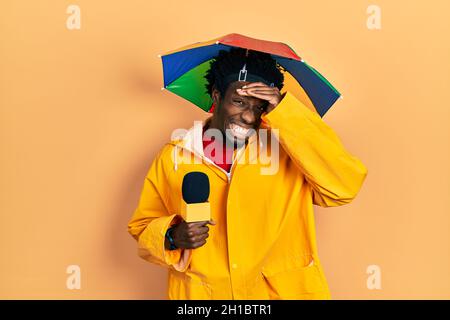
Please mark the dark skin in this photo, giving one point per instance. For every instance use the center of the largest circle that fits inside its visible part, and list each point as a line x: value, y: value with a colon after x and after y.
x: 190, y: 235
x: 243, y: 104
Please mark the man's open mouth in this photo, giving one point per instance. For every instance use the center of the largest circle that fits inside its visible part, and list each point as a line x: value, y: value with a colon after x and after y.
x: 239, y: 131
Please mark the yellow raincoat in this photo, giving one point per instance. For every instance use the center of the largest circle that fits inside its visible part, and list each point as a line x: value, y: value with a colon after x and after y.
x: 263, y: 245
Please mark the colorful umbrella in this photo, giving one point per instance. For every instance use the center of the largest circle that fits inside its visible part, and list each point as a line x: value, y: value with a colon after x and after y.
x: 184, y: 70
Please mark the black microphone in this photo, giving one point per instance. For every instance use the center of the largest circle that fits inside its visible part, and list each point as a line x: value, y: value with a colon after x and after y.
x: 195, y: 190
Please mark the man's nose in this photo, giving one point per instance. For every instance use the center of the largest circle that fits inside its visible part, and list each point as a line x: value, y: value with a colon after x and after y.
x: 248, y: 117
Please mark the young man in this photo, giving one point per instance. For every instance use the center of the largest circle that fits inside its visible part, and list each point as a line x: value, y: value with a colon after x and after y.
x: 260, y: 242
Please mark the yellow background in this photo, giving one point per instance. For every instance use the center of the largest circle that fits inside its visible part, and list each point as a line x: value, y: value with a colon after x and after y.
x: 82, y: 116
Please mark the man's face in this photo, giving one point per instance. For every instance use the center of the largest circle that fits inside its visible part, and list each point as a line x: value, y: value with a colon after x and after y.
x: 237, y: 113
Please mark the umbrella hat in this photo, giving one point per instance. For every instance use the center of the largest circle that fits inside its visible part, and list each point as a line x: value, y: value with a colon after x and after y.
x: 184, y: 71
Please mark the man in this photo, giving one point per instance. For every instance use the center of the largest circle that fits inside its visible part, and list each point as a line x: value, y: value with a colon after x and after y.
x: 260, y: 242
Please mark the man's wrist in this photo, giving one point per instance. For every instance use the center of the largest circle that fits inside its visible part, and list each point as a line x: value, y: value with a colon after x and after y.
x: 169, y: 241
x: 271, y: 108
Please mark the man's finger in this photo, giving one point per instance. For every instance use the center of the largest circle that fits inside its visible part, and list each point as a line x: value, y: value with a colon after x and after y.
x: 198, y: 231
x: 199, y: 237
x: 254, y: 87
x: 211, y: 222
x: 261, y: 88
x: 200, y: 223
x: 263, y: 96
x: 268, y: 89
x: 195, y: 225
x: 257, y: 91
x: 258, y: 87
x: 252, y: 84
x: 198, y: 244
x: 262, y: 91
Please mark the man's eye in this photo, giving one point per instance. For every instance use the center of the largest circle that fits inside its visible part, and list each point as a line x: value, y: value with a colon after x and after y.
x: 238, y: 101
x: 263, y: 107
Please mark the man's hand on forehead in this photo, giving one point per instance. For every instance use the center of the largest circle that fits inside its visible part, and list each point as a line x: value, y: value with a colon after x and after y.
x: 262, y: 91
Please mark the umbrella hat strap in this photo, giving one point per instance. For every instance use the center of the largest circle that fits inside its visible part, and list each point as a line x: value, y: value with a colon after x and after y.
x: 244, y: 75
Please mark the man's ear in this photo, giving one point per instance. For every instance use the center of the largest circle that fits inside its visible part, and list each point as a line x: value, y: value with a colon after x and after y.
x: 215, y: 95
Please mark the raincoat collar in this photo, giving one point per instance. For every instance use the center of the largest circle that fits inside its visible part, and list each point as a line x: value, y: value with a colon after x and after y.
x: 192, y: 140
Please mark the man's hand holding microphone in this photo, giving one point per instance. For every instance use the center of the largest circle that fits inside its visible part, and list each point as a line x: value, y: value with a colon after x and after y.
x: 193, y: 231
x: 190, y: 235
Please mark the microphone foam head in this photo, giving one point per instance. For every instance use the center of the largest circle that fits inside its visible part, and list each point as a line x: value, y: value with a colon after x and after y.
x: 195, y: 188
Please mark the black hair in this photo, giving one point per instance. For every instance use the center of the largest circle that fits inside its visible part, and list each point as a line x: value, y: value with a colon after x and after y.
x: 228, y: 62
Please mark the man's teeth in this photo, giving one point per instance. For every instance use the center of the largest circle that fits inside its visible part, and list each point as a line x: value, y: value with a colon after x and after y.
x: 239, y: 129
